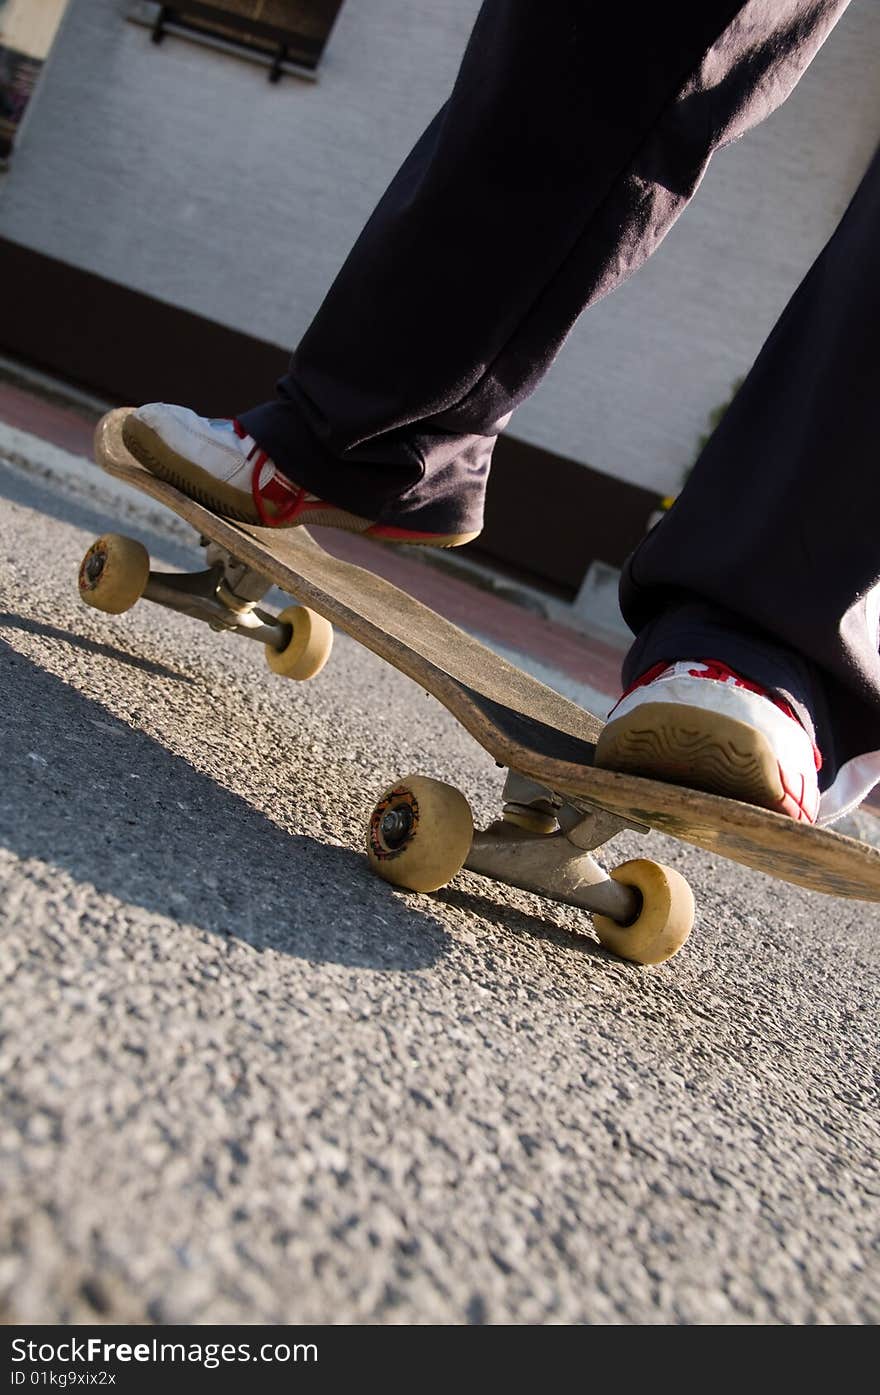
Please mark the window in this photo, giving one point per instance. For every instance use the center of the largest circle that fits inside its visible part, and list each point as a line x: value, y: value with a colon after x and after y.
x: 286, y: 35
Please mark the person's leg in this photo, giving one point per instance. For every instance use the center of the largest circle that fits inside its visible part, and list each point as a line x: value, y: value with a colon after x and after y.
x: 575, y: 135
x: 770, y: 558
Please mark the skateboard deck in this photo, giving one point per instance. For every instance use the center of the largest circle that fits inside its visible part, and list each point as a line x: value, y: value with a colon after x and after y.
x: 520, y: 722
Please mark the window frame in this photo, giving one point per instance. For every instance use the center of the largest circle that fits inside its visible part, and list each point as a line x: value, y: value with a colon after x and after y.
x: 192, y: 20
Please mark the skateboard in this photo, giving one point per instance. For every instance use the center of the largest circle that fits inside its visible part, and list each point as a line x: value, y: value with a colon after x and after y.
x: 556, y: 808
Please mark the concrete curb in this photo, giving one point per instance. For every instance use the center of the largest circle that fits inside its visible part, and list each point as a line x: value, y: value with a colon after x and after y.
x: 79, y: 476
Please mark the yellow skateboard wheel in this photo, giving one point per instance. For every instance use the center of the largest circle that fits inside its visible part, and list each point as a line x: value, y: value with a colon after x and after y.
x: 307, y: 650
x: 419, y: 834
x: 114, y: 573
x: 664, y: 921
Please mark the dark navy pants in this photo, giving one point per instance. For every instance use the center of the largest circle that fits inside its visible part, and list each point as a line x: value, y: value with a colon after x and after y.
x: 575, y: 135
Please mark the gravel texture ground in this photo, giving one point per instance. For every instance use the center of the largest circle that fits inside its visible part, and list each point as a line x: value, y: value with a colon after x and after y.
x: 246, y: 1082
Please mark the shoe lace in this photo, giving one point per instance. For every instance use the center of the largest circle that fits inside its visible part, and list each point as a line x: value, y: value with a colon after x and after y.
x: 284, y: 513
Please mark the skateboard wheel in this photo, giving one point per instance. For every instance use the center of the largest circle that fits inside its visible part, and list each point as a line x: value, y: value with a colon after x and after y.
x: 420, y: 833
x: 114, y: 573
x: 665, y: 920
x: 307, y: 650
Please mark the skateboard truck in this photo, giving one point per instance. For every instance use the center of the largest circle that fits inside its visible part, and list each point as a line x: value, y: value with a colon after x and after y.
x: 421, y: 834
x: 526, y: 849
x: 207, y: 596
x: 115, y: 574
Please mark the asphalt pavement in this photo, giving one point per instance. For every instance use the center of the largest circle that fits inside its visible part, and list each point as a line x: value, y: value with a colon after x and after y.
x: 244, y: 1081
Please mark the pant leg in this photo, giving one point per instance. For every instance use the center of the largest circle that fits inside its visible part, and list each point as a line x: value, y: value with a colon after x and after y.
x: 575, y: 135
x: 775, y: 541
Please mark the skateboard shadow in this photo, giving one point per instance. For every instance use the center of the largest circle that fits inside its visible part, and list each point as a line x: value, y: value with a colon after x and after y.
x: 91, y: 646
x: 520, y: 922
x: 115, y: 809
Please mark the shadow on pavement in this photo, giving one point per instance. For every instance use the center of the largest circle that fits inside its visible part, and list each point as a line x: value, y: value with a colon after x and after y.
x: 518, y: 922
x: 110, y: 805
x: 91, y: 646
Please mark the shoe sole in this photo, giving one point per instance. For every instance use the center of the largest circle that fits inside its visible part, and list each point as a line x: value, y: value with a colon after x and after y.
x: 155, y: 455
x: 694, y: 747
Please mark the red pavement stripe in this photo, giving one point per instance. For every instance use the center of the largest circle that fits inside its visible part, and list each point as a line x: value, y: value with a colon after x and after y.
x: 61, y: 426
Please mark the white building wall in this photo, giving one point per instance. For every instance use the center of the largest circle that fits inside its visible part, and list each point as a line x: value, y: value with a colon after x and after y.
x: 182, y: 173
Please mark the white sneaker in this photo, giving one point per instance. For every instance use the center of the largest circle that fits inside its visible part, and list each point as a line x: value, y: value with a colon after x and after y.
x: 697, y: 723
x: 214, y: 460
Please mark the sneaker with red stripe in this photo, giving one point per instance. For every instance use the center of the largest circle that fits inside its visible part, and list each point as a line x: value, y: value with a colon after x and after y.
x: 696, y: 722
x: 215, y: 461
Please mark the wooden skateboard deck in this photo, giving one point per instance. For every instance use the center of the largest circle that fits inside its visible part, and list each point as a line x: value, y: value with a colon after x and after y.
x: 519, y: 721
